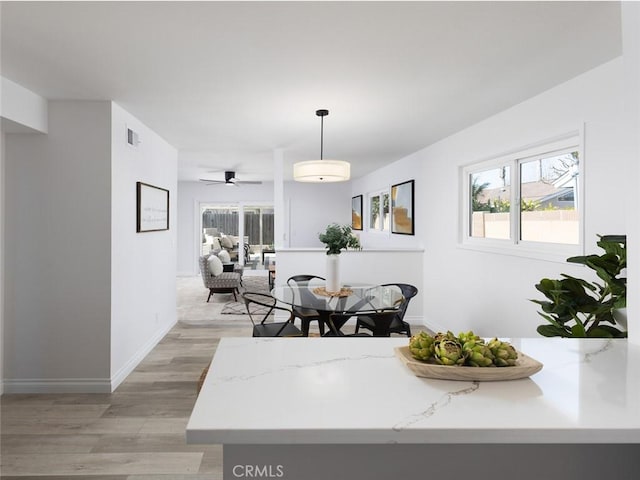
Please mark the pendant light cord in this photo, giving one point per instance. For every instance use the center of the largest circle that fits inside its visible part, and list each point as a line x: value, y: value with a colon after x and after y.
x: 321, y: 135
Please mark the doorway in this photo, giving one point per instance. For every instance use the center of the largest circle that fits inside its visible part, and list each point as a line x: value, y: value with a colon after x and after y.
x: 247, y: 231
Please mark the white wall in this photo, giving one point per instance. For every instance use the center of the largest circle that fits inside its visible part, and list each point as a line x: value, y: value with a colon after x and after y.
x: 22, y: 109
x: 86, y: 296
x: 310, y: 207
x: 488, y: 292
x: 143, y: 265
x: 2, y: 230
x: 631, y: 48
x: 408, y: 168
x: 57, y: 252
x: 190, y: 196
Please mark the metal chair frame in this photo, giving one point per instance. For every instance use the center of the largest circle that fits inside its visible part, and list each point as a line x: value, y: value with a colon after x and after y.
x: 263, y: 328
x: 306, y: 315
x: 397, y: 325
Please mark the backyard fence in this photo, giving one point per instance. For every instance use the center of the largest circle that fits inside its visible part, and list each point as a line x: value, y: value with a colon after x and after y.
x: 227, y: 223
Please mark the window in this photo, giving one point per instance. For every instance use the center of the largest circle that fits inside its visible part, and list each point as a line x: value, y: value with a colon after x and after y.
x: 491, y: 203
x: 379, y: 218
x: 528, y: 201
x: 548, y: 187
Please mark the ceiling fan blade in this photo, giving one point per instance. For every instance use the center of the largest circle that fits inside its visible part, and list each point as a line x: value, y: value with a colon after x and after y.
x: 211, y: 182
x: 230, y: 179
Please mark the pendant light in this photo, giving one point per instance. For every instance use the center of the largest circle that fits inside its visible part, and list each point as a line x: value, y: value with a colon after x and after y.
x: 321, y: 171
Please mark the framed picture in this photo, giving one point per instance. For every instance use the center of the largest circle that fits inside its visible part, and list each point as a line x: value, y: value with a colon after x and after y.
x: 152, y: 213
x: 402, y: 206
x: 379, y: 218
x: 356, y: 212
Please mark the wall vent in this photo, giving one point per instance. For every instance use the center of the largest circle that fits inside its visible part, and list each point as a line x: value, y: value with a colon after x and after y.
x: 132, y: 138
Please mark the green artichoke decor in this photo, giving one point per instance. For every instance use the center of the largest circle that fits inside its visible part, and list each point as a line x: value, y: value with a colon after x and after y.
x: 465, y: 349
x: 421, y: 346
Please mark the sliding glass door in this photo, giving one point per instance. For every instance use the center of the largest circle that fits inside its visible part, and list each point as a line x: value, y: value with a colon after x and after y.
x: 258, y: 227
x: 218, y: 222
x: 220, y: 228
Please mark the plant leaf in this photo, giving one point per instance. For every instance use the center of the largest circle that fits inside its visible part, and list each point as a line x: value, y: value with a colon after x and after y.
x: 551, y: 331
x: 578, y: 330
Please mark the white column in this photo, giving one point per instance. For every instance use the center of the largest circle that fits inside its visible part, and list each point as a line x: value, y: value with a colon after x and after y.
x: 280, y: 211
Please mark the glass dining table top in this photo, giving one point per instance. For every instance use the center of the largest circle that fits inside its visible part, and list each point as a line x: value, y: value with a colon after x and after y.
x: 360, y: 297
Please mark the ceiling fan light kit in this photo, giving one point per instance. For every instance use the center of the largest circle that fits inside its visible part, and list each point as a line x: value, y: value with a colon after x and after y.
x: 321, y: 171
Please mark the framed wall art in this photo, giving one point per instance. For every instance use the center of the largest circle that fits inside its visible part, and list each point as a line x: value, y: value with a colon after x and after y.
x: 402, y: 206
x: 152, y: 212
x: 356, y: 212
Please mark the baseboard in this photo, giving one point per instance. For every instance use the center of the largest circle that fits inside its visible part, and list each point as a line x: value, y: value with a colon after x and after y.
x: 434, y: 326
x: 133, y: 362
x: 414, y: 320
x: 57, y: 385
x: 83, y: 385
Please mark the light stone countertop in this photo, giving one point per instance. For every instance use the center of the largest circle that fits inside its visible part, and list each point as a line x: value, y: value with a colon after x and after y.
x: 355, y: 390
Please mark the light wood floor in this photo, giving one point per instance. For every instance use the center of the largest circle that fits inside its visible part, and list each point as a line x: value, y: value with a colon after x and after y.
x: 135, y: 433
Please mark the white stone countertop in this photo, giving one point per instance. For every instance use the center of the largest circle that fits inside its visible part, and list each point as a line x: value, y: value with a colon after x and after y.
x: 355, y: 390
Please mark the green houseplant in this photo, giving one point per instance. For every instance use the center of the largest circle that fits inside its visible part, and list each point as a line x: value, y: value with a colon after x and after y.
x: 336, y: 238
x: 578, y: 308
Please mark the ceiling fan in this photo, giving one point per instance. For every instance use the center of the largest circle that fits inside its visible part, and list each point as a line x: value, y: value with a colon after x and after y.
x: 229, y: 180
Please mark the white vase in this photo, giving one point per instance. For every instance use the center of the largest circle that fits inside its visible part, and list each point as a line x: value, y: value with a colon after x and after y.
x: 333, y: 273
x: 620, y: 316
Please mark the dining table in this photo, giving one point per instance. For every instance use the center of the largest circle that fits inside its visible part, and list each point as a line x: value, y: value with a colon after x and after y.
x: 336, y: 308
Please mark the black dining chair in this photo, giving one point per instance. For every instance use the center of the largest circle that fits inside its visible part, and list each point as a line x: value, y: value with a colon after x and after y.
x: 263, y: 305
x: 397, y: 325
x: 336, y: 321
x: 306, y: 315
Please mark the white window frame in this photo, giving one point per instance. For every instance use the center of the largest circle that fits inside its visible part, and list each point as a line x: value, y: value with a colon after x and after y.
x: 572, y: 141
x: 380, y: 193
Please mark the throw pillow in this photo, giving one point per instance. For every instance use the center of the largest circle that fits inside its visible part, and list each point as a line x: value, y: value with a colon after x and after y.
x: 215, y: 245
x: 224, y: 256
x: 227, y: 242
x: 215, y: 265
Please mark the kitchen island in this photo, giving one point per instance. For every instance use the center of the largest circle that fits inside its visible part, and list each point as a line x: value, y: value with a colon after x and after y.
x: 308, y: 408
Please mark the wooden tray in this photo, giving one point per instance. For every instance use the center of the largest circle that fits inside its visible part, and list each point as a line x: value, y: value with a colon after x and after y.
x: 525, y: 366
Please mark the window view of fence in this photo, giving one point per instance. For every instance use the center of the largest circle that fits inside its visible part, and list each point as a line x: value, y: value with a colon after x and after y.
x: 224, y: 220
x: 491, y: 203
x: 548, y: 210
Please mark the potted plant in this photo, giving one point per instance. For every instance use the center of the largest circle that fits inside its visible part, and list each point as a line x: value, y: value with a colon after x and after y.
x: 336, y: 238
x: 578, y: 308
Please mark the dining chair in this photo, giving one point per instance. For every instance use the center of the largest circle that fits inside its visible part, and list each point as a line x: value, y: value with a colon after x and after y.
x: 378, y: 323
x: 397, y: 325
x: 336, y: 322
x: 306, y: 315
x: 259, y: 303
x: 338, y: 319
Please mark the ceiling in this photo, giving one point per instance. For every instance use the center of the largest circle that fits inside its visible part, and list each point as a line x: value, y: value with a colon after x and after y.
x: 226, y: 83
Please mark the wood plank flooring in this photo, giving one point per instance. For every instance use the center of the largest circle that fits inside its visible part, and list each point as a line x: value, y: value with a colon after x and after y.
x: 135, y: 433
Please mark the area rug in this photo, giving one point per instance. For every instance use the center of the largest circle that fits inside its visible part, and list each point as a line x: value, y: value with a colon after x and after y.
x: 250, y: 284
